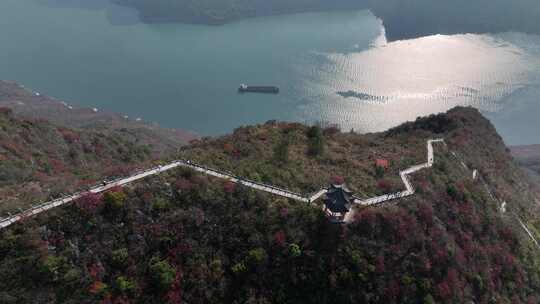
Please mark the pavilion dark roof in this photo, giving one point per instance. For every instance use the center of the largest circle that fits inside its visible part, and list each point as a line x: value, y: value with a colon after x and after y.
x: 339, y: 199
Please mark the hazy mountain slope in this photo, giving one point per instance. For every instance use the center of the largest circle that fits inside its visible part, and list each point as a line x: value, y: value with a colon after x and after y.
x: 39, y: 160
x: 528, y: 158
x: 187, y: 238
x: 403, y: 19
x: 28, y: 104
x: 219, y: 12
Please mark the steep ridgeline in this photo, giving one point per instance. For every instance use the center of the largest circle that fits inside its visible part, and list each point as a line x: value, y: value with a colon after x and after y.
x: 185, y: 237
x: 39, y: 161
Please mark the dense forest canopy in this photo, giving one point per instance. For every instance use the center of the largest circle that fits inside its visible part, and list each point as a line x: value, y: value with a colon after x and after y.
x: 182, y: 237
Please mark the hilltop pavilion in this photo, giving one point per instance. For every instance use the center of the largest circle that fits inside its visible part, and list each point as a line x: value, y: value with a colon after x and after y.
x: 338, y: 202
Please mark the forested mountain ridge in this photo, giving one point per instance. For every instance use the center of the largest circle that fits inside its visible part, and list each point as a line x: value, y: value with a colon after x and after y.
x: 182, y: 237
x: 403, y: 19
x: 28, y: 104
x: 49, y: 147
x: 40, y: 161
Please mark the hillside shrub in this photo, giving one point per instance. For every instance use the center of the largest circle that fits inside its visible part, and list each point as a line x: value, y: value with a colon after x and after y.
x: 162, y: 273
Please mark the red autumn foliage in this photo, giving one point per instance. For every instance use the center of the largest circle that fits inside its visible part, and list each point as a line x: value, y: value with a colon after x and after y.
x: 367, y: 219
x: 229, y: 187
x: 98, y: 148
x: 96, y: 271
x: 425, y: 265
x: 57, y: 166
x: 440, y: 255
x: 69, y: 136
x: 443, y: 290
x: 96, y: 287
x: 183, y: 184
x: 89, y: 202
x: 179, y: 251
x: 425, y: 214
x: 382, y: 163
x: 174, y: 295
x: 509, y: 237
x: 116, y: 189
x: 6, y: 111
x: 279, y: 238
x: 13, y: 148
x: 384, y: 185
x: 338, y: 180
x: 120, y: 170
x: 392, y: 290
x: 228, y: 148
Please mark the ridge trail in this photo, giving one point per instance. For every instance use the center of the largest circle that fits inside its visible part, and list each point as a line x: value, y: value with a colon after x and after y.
x: 35, y: 210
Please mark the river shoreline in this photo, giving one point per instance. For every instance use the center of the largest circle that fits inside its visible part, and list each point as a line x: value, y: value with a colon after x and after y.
x: 416, y: 20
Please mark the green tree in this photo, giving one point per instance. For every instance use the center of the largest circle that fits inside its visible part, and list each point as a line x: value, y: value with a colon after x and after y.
x: 120, y: 257
x: 294, y: 250
x: 429, y: 299
x: 160, y: 204
x: 162, y: 273
x: 257, y: 256
x: 239, y: 268
x: 72, y: 276
x: 125, y: 286
x: 52, y: 267
x: 115, y: 199
x: 114, y: 203
x: 452, y: 191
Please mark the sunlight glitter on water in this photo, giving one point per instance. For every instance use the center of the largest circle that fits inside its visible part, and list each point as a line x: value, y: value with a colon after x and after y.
x: 417, y: 77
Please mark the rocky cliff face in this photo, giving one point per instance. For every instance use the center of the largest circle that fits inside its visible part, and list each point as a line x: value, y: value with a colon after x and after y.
x: 185, y: 237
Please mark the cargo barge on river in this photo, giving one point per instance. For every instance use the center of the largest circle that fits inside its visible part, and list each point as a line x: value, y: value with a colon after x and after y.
x: 258, y: 89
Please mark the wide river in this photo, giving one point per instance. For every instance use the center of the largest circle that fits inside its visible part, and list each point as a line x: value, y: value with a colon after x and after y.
x: 186, y: 76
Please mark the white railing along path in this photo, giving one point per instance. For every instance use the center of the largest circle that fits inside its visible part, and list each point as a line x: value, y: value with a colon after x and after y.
x: 35, y: 210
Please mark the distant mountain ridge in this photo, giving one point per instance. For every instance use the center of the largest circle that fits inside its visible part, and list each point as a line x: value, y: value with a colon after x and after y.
x: 403, y: 19
x: 528, y: 157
